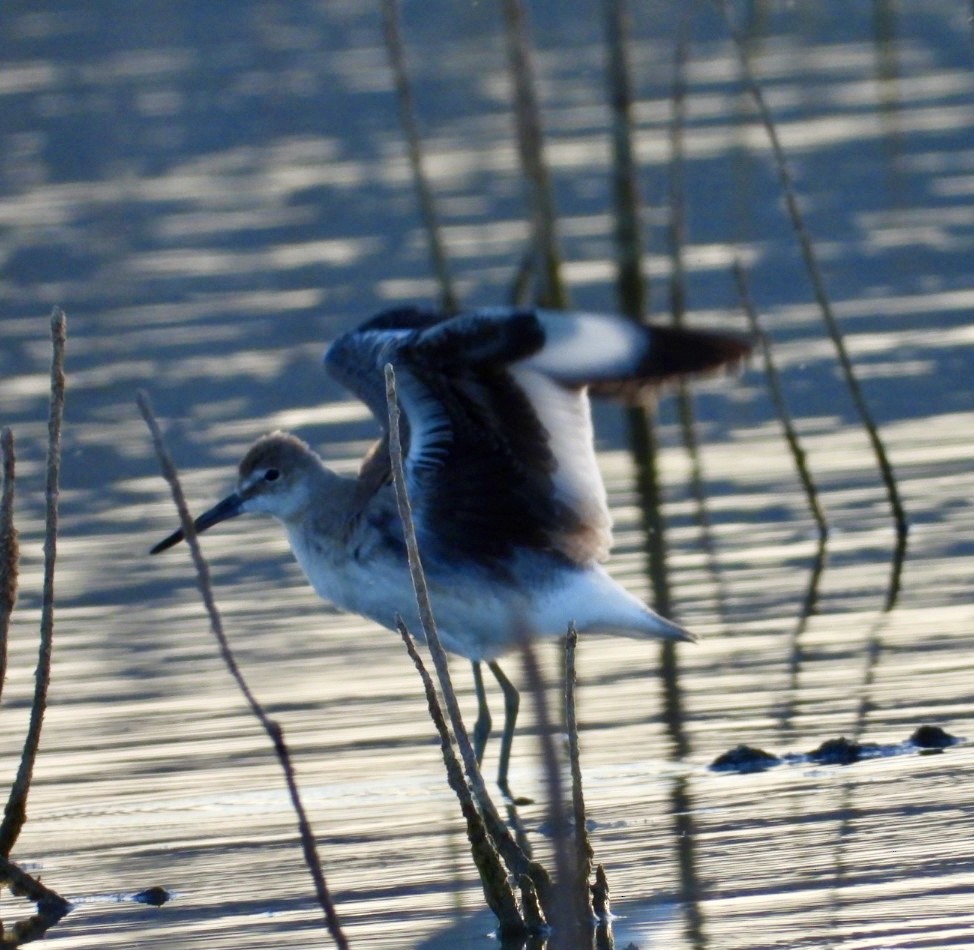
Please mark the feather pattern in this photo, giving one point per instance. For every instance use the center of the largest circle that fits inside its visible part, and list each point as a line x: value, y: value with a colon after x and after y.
x: 498, y: 433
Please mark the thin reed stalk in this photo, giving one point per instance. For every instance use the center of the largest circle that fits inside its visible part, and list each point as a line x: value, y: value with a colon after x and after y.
x: 633, y: 295
x: 407, y: 116
x: 632, y: 285
x: 15, y: 813
x: 493, y: 876
x: 676, y: 221
x: 816, y: 278
x: 270, y: 726
x: 678, y: 303
x: 9, y: 547
x: 551, y: 290
x: 583, y: 847
x: 796, y: 652
x: 798, y: 453
x: 514, y: 857
x: 810, y: 600
x: 561, y: 911
x: 685, y: 835
x: 604, y: 939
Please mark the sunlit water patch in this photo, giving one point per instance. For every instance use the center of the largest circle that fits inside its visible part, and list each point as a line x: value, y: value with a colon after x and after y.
x: 212, y: 200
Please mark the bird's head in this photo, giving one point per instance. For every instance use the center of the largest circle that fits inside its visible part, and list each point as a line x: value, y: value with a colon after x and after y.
x: 275, y: 478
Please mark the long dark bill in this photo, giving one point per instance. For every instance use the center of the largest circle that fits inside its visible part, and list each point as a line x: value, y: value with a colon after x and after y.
x: 230, y: 507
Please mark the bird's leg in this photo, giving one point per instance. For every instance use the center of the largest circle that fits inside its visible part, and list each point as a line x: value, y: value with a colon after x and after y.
x: 481, y: 728
x: 512, y: 702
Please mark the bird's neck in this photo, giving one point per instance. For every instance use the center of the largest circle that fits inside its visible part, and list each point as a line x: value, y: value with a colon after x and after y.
x: 329, y: 503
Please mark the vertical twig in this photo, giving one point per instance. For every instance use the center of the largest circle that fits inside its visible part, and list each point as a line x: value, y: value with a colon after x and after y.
x: 601, y: 904
x: 518, y: 863
x: 493, y: 876
x: 632, y: 285
x: 561, y: 911
x: 678, y: 303
x: 817, y: 280
x: 796, y: 652
x: 407, y: 115
x: 676, y: 223
x: 527, y: 116
x: 15, y: 813
x: 9, y: 547
x: 583, y: 847
x: 781, y: 407
x: 685, y: 835
x: 889, y: 94
x: 810, y: 601
x: 633, y: 296
x: 271, y: 727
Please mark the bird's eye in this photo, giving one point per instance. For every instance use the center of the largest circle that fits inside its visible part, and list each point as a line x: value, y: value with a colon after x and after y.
x: 271, y: 475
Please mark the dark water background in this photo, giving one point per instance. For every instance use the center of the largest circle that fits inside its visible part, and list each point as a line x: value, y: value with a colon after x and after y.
x: 213, y: 190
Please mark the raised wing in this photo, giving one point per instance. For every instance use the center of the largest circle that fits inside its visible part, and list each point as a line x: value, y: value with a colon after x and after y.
x: 499, y: 443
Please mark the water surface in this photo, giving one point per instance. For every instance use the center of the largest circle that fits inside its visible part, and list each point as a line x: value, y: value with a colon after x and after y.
x: 213, y: 194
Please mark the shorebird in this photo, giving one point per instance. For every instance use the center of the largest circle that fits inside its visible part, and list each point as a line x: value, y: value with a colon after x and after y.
x: 509, y: 506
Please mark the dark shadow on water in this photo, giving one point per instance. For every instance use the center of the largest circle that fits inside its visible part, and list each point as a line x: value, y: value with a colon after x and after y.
x: 796, y: 653
x: 685, y: 839
x: 896, y: 571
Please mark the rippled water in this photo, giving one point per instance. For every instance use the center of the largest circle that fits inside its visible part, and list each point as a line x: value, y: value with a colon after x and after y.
x: 212, y: 193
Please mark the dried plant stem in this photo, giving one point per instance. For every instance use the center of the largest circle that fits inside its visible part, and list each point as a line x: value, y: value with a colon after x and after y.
x: 9, y: 548
x: 493, y: 876
x: 676, y: 223
x: 678, y: 304
x: 51, y: 905
x: 685, y: 835
x: 780, y: 404
x: 15, y: 813
x: 515, y: 859
x: 810, y: 600
x: 583, y: 847
x: 603, y: 909
x: 633, y: 294
x: 561, y: 910
x: 407, y: 116
x: 632, y: 285
x: 271, y: 727
x: 527, y: 117
x: 815, y: 276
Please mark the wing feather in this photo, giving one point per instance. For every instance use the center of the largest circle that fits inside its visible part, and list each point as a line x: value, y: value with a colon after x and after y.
x: 497, y: 423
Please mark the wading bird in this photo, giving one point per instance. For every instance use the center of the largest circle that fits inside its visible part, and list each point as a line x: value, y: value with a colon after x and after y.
x: 509, y: 506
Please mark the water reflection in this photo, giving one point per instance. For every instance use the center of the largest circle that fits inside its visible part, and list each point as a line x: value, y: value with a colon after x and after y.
x: 212, y: 197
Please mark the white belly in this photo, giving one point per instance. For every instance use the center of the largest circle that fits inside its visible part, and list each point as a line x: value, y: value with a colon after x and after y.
x: 477, y: 616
